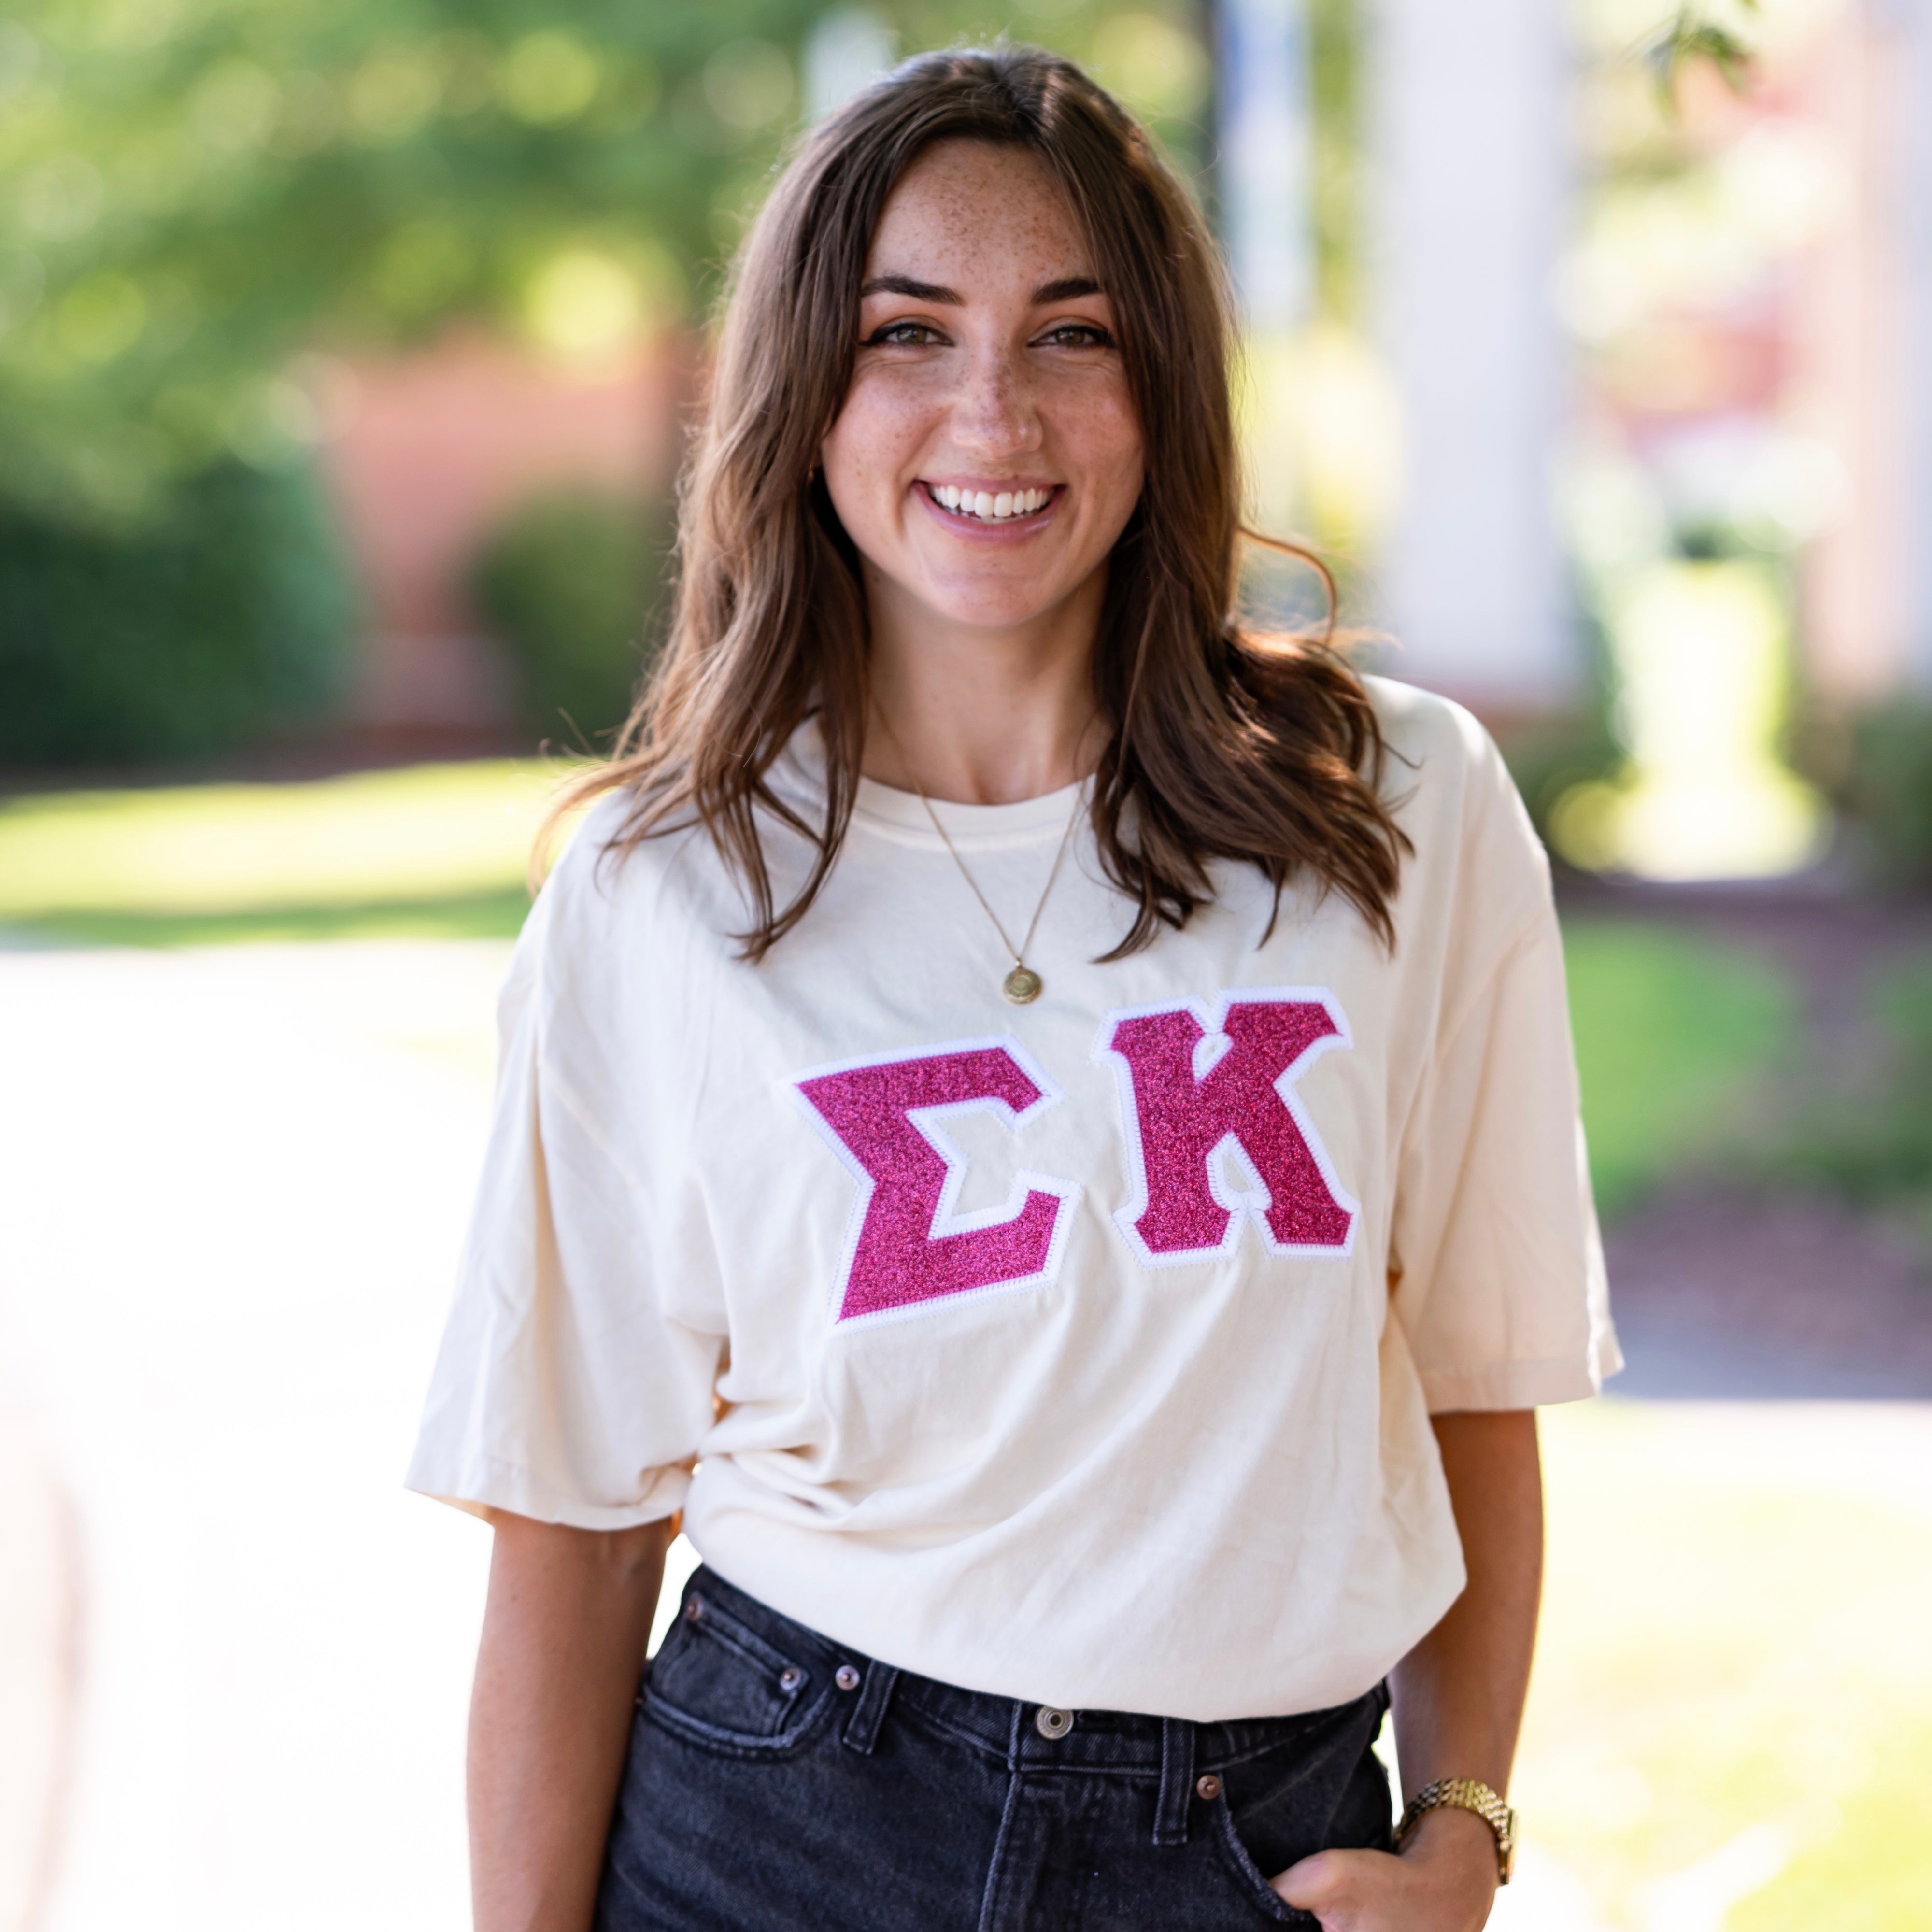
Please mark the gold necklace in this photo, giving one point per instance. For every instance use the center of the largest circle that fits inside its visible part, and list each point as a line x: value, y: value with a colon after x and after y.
x: 1022, y: 985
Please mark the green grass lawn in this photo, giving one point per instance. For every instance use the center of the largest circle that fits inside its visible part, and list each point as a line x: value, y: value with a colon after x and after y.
x: 426, y: 851
x: 1672, y: 1031
x: 1674, y: 1034
x: 1733, y: 1646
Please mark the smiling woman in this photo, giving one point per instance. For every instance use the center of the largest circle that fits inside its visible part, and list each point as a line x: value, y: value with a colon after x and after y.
x: 983, y: 278
x: 1040, y: 1123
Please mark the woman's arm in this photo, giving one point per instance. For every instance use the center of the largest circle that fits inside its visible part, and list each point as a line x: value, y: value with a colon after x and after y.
x: 1458, y: 1699
x: 564, y: 1632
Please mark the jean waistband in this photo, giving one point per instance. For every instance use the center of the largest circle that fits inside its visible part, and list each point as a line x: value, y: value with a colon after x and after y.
x: 1013, y: 1730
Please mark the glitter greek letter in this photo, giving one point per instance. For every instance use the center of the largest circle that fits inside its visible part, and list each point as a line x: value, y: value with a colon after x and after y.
x: 906, y: 1245
x: 1198, y: 1083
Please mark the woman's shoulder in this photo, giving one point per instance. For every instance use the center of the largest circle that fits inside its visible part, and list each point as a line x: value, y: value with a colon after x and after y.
x: 603, y: 874
x: 1440, y: 756
x: 582, y: 871
x: 1419, y: 725
x: 1446, y: 783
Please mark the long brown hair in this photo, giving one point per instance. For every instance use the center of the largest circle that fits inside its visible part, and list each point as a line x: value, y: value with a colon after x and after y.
x: 1225, y: 744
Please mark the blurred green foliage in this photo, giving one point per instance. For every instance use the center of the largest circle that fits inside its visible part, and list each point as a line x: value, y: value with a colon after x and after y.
x: 227, y: 614
x: 570, y: 584
x: 1876, y: 767
x: 1338, y: 194
x: 1674, y: 1034
x: 202, y: 202
x: 193, y: 193
x: 1694, y: 33
x: 1547, y: 756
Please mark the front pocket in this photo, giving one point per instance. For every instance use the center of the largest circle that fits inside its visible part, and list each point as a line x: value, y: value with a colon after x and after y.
x: 717, y: 1681
x: 1252, y: 1880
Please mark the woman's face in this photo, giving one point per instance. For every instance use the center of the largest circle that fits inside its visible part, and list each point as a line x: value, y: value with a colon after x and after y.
x: 987, y: 453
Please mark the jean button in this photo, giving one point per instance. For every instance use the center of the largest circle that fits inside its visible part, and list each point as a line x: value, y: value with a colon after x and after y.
x: 1209, y: 1786
x: 846, y: 1678
x: 1053, y: 1723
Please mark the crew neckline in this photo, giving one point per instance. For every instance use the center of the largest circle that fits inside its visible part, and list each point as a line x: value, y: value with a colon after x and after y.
x: 901, y: 816
x: 886, y: 808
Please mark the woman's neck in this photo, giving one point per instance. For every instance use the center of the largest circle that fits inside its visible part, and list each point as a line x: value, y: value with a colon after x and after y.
x: 982, y: 716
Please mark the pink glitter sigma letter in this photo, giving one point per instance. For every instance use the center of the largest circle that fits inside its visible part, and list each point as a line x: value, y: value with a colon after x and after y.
x: 1194, y: 1078
x: 907, y: 1245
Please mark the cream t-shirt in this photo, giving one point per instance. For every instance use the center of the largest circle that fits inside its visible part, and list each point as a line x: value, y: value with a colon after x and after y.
x: 1080, y: 1352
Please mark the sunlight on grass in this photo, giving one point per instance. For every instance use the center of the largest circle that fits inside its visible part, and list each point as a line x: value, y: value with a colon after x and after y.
x: 422, y: 851
x: 1733, y: 1639
x: 1671, y: 1032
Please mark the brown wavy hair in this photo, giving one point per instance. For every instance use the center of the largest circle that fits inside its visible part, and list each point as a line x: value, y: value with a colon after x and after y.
x: 1224, y: 744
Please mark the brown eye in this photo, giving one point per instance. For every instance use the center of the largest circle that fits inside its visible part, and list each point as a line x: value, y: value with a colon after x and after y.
x: 1078, y: 335
x: 904, y: 335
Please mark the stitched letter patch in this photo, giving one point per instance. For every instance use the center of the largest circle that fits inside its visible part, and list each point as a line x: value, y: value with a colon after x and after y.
x: 907, y: 1245
x: 1198, y: 1085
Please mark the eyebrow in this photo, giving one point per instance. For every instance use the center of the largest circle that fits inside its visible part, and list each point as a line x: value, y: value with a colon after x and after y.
x: 1064, y: 290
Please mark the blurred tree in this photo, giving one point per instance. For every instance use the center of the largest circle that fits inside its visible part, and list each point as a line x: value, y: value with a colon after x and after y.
x: 1694, y: 31
x: 193, y: 192
x: 202, y: 200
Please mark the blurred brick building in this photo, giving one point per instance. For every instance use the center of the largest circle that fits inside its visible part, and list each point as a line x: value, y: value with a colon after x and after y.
x: 427, y: 455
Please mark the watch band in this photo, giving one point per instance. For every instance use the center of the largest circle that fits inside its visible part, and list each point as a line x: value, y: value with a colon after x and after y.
x: 1466, y: 1794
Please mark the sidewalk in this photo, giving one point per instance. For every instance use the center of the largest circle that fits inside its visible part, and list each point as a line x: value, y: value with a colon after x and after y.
x: 239, y: 1179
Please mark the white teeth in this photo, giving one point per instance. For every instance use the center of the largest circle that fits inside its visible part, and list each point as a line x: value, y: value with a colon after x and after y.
x: 988, y: 506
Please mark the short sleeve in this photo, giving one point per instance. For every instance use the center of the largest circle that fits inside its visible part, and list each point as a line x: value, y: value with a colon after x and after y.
x: 566, y: 1389
x: 1496, y: 1265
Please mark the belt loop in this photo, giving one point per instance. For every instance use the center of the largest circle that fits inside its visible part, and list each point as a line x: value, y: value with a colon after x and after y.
x: 861, y: 1728
x: 1176, y: 1781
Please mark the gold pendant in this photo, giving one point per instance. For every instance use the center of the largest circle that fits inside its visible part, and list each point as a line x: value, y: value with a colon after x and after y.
x: 1021, y: 985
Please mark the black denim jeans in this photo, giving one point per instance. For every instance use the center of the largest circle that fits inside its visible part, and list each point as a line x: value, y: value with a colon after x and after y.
x: 779, y: 1782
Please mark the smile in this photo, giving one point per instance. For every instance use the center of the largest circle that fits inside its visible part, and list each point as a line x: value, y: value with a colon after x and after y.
x: 988, y: 506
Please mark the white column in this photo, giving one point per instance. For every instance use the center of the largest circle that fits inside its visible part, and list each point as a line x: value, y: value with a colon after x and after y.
x: 1262, y: 88
x: 1467, y: 135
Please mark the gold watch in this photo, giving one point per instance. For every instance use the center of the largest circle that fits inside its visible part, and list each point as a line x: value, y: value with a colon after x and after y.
x: 1465, y: 1794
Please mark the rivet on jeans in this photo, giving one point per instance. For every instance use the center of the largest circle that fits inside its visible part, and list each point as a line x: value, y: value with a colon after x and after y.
x: 1209, y: 1786
x: 791, y: 1678
x: 846, y: 1678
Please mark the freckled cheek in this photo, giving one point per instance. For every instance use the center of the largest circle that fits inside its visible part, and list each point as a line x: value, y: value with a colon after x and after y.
x: 878, y: 439
x: 1100, y: 430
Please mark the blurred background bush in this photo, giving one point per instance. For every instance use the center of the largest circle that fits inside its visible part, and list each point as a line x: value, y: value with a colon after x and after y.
x: 222, y: 613
x: 571, y: 584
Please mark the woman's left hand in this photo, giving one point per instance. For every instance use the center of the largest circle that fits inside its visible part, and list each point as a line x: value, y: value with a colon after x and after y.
x: 1443, y: 1880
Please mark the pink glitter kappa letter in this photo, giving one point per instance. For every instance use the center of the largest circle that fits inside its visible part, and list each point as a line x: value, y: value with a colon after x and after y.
x: 1194, y: 1078
x: 906, y: 1244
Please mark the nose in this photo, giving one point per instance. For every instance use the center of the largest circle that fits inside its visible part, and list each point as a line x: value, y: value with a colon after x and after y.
x: 995, y: 413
